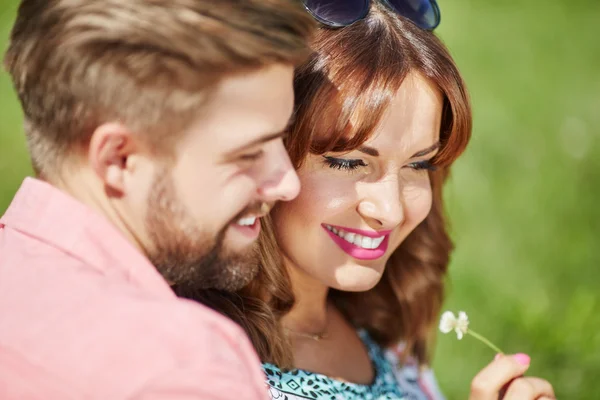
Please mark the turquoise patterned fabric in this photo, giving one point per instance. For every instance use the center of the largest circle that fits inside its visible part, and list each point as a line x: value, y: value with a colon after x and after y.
x: 301, y: 384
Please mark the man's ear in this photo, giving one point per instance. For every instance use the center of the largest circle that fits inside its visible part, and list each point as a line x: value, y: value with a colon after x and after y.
x: 110, y: 148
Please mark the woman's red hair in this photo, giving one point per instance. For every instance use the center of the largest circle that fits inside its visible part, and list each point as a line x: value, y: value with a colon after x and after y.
x: 342, y: 92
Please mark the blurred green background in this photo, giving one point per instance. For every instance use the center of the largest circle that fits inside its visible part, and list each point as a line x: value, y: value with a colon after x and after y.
x: 523, y: 201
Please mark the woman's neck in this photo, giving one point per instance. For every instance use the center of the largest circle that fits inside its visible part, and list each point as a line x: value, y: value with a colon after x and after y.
x: 309, y: 313
x: 341, y: 354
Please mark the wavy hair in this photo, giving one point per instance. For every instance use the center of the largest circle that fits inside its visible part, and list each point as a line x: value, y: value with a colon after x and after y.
x: 352, y: 75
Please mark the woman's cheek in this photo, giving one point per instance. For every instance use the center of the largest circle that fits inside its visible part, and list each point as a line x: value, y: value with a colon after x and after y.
x: 323, y: 196
x: 418, y: 201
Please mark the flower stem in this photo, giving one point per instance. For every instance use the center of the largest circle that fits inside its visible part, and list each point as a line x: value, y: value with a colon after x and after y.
x: 484, y: 340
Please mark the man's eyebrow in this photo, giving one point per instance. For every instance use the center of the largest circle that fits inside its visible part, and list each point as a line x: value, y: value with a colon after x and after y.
x: 263, y: 139
x: 375, y: 153
x: 266, y: 138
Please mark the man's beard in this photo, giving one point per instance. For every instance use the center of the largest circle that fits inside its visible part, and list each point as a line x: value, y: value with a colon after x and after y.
x: 185, y: 255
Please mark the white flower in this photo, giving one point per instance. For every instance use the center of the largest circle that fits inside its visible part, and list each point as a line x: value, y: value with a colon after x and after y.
x: 449, y: 322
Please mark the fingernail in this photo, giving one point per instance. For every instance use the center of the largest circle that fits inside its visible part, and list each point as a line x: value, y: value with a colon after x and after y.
x: 497, y: 356
x: 522, y: 359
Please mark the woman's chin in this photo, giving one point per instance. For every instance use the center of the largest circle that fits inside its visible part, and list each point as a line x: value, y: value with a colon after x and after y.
x: 356, y: 278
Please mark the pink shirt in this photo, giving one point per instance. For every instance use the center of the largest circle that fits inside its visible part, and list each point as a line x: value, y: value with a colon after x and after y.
x: 84, y: 315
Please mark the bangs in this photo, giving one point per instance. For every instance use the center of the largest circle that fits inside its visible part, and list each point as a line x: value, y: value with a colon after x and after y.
x: 344, y: 90
x: 351, y: 105
x: 347, y: 85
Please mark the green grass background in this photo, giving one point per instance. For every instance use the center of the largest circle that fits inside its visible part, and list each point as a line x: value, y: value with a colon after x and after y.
x: 523, y: 200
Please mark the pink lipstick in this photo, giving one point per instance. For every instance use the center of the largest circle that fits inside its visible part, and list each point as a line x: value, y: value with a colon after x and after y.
x: 356, y: 242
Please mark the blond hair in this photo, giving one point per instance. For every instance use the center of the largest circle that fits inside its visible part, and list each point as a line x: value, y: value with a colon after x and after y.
x: 148, y: 64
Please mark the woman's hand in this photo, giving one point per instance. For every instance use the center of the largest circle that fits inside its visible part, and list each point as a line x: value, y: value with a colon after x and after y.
x: 503, y: 379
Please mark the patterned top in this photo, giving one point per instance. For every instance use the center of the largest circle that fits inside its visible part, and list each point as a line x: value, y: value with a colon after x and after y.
x: 392, y: 381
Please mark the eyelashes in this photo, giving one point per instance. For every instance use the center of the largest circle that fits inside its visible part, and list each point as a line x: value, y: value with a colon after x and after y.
x: 422, y: 166
x: 252, y: 156
x: 343, y: 164
x: 354, y: 164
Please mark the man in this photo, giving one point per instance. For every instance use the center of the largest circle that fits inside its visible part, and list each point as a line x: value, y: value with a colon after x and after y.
x: 155, y: 130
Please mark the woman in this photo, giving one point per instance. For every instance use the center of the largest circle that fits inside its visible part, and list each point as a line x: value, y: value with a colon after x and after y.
x: 382, y: 113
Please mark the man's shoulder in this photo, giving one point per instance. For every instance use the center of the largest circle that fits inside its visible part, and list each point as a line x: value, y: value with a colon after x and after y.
x: 80, y: 326
x: 84, y: 304
x: 51, y: 286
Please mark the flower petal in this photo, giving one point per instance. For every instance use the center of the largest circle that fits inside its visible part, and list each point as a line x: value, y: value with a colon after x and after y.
x: 462, y: 324
x: 447, y: 322
x: 459, y: 333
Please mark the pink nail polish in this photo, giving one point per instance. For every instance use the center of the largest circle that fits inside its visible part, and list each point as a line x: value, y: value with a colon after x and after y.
x: 522, y: 359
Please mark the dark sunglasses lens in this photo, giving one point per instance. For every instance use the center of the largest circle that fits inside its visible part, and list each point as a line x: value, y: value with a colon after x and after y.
x: 337, y: 13
x: 424, y: 13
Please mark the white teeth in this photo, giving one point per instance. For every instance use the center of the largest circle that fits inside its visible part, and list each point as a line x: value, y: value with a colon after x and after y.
x: 249, y: 221
x: 366, y: 242
x: 358, y: 240
x: 349, y: 237
x: 377, y: 242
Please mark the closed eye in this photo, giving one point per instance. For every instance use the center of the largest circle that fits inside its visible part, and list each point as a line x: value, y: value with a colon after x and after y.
x: 422, y: 165
x: 344, y: 164
x: 249, y: 157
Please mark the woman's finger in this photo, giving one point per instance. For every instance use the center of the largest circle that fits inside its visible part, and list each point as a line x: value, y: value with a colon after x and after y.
x: 490, y: 380
x: 529, y: 388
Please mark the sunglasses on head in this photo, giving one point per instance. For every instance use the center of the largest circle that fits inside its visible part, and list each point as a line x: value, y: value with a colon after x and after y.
x: 338, y: 13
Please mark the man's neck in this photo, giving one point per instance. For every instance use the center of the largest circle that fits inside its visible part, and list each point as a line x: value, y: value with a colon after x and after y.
x: 84, y: 186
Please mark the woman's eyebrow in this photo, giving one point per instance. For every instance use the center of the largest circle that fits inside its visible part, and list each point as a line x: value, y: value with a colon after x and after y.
x: 369, y: 150
x: 375, y: 153
x: 428, y: 150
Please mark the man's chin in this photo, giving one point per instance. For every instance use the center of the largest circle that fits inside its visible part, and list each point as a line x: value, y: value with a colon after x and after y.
x: 232, y: 264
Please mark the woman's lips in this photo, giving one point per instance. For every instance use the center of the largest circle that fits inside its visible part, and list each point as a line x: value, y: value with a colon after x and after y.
x: 360, y: 244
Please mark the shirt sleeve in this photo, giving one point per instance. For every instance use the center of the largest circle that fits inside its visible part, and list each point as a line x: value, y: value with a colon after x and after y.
x: 430, y: 386
x: 419, y: 382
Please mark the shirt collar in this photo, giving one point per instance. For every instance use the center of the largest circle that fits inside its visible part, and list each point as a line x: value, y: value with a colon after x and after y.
x: 50, y: 215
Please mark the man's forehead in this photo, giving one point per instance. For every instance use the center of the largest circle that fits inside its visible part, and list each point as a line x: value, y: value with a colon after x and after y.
x: 246, y: 108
